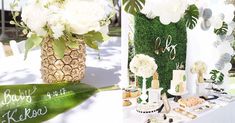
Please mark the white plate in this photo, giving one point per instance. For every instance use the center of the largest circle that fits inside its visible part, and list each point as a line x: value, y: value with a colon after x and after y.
x: 176, y: 93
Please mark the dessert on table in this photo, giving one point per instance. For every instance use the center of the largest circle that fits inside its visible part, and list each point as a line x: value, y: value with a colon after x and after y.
x: 190, y: 101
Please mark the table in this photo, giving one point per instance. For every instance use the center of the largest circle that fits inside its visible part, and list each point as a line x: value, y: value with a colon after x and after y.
x: 221, y: 114
x: 102, y: 107
x: 99, y: 73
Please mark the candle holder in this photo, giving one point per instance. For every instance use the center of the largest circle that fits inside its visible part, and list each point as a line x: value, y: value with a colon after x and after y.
x: 144, y: 95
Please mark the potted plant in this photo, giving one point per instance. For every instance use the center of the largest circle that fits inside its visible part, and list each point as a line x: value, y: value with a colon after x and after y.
x: 62, y: 28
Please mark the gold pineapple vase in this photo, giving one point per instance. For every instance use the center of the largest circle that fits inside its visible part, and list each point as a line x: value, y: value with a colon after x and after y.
x: 71, y: 68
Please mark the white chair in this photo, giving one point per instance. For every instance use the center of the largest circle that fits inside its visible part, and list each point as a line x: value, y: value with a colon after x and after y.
x: 14, y: 47
x: 21, y: 46
x: 2, y: 51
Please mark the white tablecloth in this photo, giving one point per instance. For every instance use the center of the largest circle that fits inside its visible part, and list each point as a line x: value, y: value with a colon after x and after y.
x: 224, y: 113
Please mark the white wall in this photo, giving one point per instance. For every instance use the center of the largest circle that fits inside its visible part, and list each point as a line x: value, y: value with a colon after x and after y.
x: 200, y: 47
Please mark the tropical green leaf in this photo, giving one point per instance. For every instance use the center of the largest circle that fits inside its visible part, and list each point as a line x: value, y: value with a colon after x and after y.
x: 191, y: 16
x: 105, y: 37
x: 92, y: 44
x: 49, y: 99
x: 72, y: 43
x: 133, y: 6
x: 220, y: 79
x: 223, y: 30
x: 32, y: 41
x: 59, y: 47
x: 92, y: 38
x: 214, y: 74
x: 217, y: 76
x: 96, y: 36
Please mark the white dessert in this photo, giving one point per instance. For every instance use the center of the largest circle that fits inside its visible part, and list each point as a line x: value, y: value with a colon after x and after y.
x: 178, y: 83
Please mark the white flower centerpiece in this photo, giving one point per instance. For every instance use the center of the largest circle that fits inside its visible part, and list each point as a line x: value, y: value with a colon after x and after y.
x: 62, y: 28
x: 199, y: 68
x: 143, y: 66
x: 168, y: 10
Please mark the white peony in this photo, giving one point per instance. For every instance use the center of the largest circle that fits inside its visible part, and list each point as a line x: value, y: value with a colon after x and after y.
x: 76, y: 16
x: 143, y: 65
x: 83, y: 15
x: 167, y: 10
x: 34, y: 15
x: 56, y: 21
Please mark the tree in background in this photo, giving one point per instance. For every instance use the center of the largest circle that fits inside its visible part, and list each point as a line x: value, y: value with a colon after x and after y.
x: 233, y: 59
x: 116, y: 21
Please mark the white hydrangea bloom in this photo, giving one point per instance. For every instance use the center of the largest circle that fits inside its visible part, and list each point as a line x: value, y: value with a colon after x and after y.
x: 83, y: 15
x: 35, y: 17
x: 56, y: 21
x: 78, y: 16
x: 143, y: 65
x: 167, y: 10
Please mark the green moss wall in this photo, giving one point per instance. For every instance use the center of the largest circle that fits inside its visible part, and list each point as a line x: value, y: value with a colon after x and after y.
x: 146, y: 32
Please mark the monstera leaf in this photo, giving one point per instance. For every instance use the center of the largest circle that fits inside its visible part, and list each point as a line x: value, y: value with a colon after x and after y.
x: 191, y: 16
x: 223, y: 30
x: 40, y: 102
x: 217, y: 77
x: 133, y: 6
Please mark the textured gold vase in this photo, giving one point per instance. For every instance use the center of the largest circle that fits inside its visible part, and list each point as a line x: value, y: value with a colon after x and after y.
x: 71, y: 68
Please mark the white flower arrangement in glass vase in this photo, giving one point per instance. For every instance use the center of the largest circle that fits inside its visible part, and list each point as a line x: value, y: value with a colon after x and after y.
x: 143, y: 66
